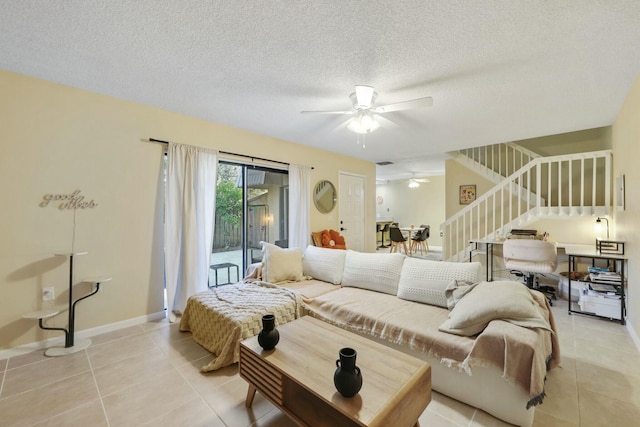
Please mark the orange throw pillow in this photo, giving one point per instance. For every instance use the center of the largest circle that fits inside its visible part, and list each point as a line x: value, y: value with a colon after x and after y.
x: 326, y: 239
x: 338, y: 240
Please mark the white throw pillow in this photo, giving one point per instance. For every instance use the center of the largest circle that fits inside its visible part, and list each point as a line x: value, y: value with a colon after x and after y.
x: 375, y: 272
x: 324, y: 264
x: 508, y: 301
x: 442, y: 270
x: 280, y: 264
x: 435, y: 282
x: 432, y: 292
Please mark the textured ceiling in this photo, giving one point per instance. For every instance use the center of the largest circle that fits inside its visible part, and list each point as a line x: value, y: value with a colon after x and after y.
x: 497, y: 70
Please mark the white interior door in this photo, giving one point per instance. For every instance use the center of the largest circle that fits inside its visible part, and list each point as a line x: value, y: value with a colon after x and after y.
x: 351, y: 209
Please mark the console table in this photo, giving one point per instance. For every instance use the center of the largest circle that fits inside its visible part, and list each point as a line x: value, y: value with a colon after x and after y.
x: 70, y: 346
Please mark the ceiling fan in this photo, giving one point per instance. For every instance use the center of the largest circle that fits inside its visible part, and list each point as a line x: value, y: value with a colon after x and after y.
x: 366, y: 116
x: 414, y: 182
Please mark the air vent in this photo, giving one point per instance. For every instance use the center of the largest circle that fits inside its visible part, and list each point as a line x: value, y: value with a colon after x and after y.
x: 384, y: 163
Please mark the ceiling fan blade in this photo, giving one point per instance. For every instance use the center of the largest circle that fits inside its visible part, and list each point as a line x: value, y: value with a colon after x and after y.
x: 327, y: 112
x: 341, y: 126
x: 384, y: 122
x: 405, y: 105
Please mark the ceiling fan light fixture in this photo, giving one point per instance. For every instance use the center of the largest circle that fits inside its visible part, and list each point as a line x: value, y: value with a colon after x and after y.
x: 364, y: 97
x: 413, y: 184
x: 363, y: 123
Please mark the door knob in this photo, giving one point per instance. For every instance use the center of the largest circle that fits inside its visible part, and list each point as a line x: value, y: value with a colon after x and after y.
x: 342, y: 229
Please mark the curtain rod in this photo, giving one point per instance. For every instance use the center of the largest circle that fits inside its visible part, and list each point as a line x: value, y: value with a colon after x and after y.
x: 233, y: 154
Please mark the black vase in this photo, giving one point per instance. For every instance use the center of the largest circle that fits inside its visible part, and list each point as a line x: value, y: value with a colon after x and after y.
x: 269, y: 335
x: 347, y: 378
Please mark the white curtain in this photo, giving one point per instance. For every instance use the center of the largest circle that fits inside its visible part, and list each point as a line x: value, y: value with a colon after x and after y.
x: 189, y: 220
x: 299, y: 197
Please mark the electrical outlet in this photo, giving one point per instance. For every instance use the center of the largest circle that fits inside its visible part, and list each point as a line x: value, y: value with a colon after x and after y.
x: 48, y: 294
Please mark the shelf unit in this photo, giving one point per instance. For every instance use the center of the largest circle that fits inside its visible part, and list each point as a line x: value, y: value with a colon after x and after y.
x: 619, y: 261
x: 70, y: 345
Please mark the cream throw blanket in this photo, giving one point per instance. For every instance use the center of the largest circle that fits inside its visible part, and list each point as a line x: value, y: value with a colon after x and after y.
x: 522, y: 354
x: 222, y: 317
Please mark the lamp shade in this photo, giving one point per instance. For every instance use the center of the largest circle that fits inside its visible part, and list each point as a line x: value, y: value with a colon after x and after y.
x: 363, y: 122
x: 599, y: 227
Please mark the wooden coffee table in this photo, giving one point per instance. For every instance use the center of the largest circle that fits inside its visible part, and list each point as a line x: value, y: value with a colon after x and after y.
x: 297, y: 377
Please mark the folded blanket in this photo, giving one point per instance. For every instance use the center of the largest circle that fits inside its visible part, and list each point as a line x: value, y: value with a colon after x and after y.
x: 222, y: 317
x: 519, y: 351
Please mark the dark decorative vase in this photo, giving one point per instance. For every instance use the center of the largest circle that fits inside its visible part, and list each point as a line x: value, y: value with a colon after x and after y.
x: 269, y: 335
x: 347, y: 378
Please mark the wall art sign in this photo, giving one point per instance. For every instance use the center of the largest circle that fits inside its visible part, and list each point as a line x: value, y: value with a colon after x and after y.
x: 67, y: 201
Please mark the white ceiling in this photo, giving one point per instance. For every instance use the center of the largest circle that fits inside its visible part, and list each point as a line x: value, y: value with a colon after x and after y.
x: 497, y: 70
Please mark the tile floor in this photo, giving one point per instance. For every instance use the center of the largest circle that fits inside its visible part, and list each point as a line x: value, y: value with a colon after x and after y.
x: 149, y: 375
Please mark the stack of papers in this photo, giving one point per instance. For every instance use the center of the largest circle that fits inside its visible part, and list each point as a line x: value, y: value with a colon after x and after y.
x: 602, y: 290
x: 599, y: 287
x: 605, y: 276
x: 598, y: 274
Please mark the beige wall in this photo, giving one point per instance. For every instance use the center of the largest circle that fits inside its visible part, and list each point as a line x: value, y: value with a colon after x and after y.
x: 626, y: 152
x: 568, y: 143
x: 422, y: 205
x: 57, y: 139
x: 457, y: 175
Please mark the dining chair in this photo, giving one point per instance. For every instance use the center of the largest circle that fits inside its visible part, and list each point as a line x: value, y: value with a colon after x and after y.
x: 417, y: 233
x: 397, y: 240
x: 420, y: 241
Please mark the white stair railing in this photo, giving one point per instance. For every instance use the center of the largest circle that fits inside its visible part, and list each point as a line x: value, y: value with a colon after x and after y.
x: 567, y: 185
x: 496, y: 161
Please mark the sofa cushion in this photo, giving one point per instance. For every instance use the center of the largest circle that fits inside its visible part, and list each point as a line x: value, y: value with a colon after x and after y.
x: 432, y: 292
x: 508, y: 301
x: 442, y: 270
x: 375, y: 272
x: 280, y: 264
x: 323, y: 264
x: 427, y: 281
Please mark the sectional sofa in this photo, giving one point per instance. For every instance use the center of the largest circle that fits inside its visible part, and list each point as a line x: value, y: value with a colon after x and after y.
x: 489, y: 344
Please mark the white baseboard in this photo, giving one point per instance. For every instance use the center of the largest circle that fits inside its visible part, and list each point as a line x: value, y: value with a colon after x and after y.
x: 634, y: 335
x: 87, y: 333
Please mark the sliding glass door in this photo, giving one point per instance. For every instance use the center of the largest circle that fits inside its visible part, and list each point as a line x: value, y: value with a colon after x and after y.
x: 252, y: 205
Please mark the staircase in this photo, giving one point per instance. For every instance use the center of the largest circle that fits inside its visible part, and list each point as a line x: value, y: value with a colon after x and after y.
x: 528, y: 187
x: 496, y: 161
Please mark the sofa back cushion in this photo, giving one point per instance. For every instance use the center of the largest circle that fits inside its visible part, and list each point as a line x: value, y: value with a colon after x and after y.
x: 428, y: 281
x: 375, y: 272
x: 323, y: 264
x: 280, y: 264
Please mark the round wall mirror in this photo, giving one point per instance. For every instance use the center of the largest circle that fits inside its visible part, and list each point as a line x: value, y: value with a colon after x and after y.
x: 324, y: 196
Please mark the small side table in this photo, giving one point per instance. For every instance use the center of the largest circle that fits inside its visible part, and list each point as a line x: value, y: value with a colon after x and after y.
x: 227, y: 265
x: 70, y: 345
